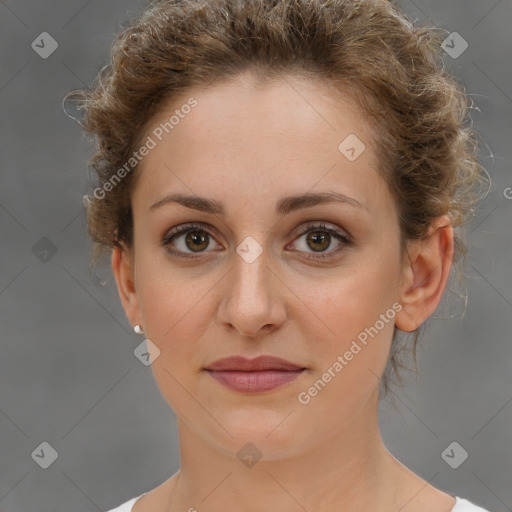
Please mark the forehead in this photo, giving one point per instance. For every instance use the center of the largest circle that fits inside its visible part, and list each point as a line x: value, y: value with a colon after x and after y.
x: 304, y: 105
x: 246, y: 137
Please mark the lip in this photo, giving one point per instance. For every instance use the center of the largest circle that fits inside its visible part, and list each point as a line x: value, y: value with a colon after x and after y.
x: 261, y: 363
x: 261, y: 374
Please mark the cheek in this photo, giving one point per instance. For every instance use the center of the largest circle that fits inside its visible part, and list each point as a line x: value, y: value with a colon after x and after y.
x: 347, y: 308
x: 352, y: 296
x: 176, y: 307
x: 349, y: 343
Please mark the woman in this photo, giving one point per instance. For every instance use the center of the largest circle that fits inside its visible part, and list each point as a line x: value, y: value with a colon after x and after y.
x: 280, y: 187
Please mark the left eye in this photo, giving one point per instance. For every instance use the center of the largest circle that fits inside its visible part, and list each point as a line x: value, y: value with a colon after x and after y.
x: 319, y: 237
x: 197, y: 239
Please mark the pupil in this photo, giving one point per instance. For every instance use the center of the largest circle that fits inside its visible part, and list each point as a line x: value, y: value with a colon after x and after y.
x: 196, y: 239
x: 318, y: 237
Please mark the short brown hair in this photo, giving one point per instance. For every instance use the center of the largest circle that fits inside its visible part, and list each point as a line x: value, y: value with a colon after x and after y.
x: 368, y: 48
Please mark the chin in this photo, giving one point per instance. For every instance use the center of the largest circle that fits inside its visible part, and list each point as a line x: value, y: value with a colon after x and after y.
x: 273, y: 434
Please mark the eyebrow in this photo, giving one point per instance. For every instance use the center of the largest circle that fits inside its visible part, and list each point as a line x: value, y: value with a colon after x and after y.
x: 283, y: 206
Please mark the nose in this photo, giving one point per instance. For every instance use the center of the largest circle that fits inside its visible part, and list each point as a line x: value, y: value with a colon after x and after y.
x: 253, y: 302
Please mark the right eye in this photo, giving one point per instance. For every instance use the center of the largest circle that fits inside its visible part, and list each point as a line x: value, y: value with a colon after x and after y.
x: 193, y: 237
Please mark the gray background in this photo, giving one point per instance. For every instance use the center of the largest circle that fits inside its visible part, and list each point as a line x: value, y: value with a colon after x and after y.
x: 68, y: 375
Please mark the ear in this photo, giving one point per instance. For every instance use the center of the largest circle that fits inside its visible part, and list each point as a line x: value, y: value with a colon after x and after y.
x: 425, y: 275
x: 123, y: 269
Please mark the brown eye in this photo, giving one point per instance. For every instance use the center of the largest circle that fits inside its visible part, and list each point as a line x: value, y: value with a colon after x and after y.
x: 187, y: 239
x: 183, y: 241
x: 197, y: 240
x: 319, y: 238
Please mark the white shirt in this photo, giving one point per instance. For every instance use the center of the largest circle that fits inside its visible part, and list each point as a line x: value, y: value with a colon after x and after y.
x: 462, y: 505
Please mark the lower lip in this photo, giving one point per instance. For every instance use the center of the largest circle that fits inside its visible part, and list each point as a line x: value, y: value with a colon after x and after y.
x: 255, y: 382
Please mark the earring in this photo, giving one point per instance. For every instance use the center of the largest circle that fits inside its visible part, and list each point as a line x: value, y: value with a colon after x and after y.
x: 138, y: 329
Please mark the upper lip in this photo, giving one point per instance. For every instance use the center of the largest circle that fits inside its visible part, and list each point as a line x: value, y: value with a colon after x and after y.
x: 240, y: 363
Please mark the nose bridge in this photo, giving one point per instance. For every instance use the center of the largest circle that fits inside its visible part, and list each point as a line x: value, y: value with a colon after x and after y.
x: 250, y: 273
x: 250, y: 302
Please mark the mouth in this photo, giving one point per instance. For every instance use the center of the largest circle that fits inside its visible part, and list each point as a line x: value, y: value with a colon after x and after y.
x: 264, y: 373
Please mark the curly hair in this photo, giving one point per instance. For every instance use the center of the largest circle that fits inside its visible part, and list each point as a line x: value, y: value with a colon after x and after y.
x: 366, y: 48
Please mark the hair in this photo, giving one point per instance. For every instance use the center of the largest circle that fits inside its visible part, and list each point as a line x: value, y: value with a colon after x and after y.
x: 367, y: 49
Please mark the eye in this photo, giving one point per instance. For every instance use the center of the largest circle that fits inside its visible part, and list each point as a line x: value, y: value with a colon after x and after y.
x: 319, y: 238
x: 196, y: 238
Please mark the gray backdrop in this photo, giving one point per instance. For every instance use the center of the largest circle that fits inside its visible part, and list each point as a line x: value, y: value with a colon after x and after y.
x: 68, y: 375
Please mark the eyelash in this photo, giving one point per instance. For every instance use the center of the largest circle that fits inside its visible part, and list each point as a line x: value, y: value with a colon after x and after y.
x: 185, y: 228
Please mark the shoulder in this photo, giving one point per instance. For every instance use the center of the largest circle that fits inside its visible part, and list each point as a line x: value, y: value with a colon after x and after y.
x: 127, y: 506
x: 464, y: 505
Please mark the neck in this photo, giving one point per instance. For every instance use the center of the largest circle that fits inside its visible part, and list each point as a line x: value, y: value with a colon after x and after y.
x: 350, y: 470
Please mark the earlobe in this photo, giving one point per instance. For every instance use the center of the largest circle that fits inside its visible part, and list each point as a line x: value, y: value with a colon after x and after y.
x: 425, y: 275
x: 122, y: 268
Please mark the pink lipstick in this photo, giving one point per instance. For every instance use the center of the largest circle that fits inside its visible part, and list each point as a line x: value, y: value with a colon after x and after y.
x: 263, y: 373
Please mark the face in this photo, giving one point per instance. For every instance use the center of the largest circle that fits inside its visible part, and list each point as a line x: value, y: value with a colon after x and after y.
x: 313, y: 283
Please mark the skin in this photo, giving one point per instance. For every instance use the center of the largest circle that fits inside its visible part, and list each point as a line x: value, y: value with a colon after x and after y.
x: 248, y: 146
